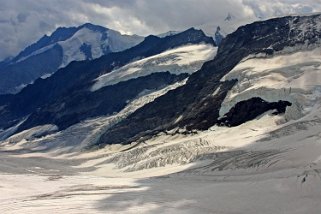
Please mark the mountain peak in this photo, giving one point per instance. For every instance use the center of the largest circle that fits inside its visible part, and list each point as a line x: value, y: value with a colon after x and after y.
x: 93, y: 27
x: 169, y: 33
x: 218, y: 36
x: 64, y: 45
x: 229, y: 17
x: 192, y: 29
x: 60, y: 34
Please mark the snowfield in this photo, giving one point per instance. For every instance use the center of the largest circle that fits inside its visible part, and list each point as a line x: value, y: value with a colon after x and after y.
x: 263, y: 166
x: 258, y: 167
x: 185, y: 59
x: 114, y: 41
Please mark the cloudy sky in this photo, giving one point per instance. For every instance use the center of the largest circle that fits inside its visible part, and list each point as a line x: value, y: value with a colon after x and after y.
x: 25, y: 21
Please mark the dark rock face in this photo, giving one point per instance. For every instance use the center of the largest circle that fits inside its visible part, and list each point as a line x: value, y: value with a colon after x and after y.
x: 80, y: 106
x: 194, y: 103
x: 250, y: 109
x: 162, y: 114
x: 14, y: 75
x: 72, y: 83
x: 218, y: 36
x: 86, y: 49
x: 60, y: 34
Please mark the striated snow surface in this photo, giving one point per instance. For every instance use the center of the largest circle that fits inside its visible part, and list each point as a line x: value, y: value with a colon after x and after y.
x: 185, y: 59
x: 258, y: 167
x: 295, y: 77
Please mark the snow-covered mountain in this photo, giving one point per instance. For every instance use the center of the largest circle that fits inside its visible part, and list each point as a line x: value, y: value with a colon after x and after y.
x: 78, y: 78
x: 169, y: 33
x: 242, y: 133
x: 85, y: 42
x: 197, y: 105
x: 227, y: 86
x: 91, y: 42
x: 220, y: 28
x: 63, y: 46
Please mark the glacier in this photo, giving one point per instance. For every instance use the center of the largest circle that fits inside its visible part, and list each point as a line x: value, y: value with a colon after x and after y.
x: 271, y: 164
x: 185, y: 59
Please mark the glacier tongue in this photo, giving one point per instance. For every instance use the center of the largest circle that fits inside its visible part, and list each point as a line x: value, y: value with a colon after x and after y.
x: 185, y: 59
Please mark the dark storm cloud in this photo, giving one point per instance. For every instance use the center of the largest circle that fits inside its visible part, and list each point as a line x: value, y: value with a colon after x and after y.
x: 24, y: 21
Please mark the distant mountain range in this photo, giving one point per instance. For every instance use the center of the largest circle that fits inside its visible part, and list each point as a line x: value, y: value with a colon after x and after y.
x: 67, y: 96
x: 63, y: 46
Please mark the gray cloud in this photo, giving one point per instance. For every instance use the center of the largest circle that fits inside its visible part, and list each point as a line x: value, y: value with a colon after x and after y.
x: 271, y: 8
x: 23, y: 22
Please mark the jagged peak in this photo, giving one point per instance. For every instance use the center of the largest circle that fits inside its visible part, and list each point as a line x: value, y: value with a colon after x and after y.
x: 229, y: 17
x: 193, y: 29
x: 151, y: 38
x: 60, y: 34
x: 93, y: 27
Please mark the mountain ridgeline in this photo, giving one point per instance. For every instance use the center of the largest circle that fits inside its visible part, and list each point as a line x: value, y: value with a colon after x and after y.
x: 63, y: 46
x: 196, y: 105
x: 65, y: 97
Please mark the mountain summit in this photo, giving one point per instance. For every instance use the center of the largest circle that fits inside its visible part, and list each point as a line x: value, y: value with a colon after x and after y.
x: 47, y: 55
x: 218, y: 36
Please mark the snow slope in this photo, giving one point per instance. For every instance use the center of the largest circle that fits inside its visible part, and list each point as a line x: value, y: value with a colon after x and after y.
x: 258, y: 167
x: 271, y: 164
x: 99, y: 43
x: 50, y: 53
x: 185, y: 59
x: 295, y: 77
x: 98, y: 39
